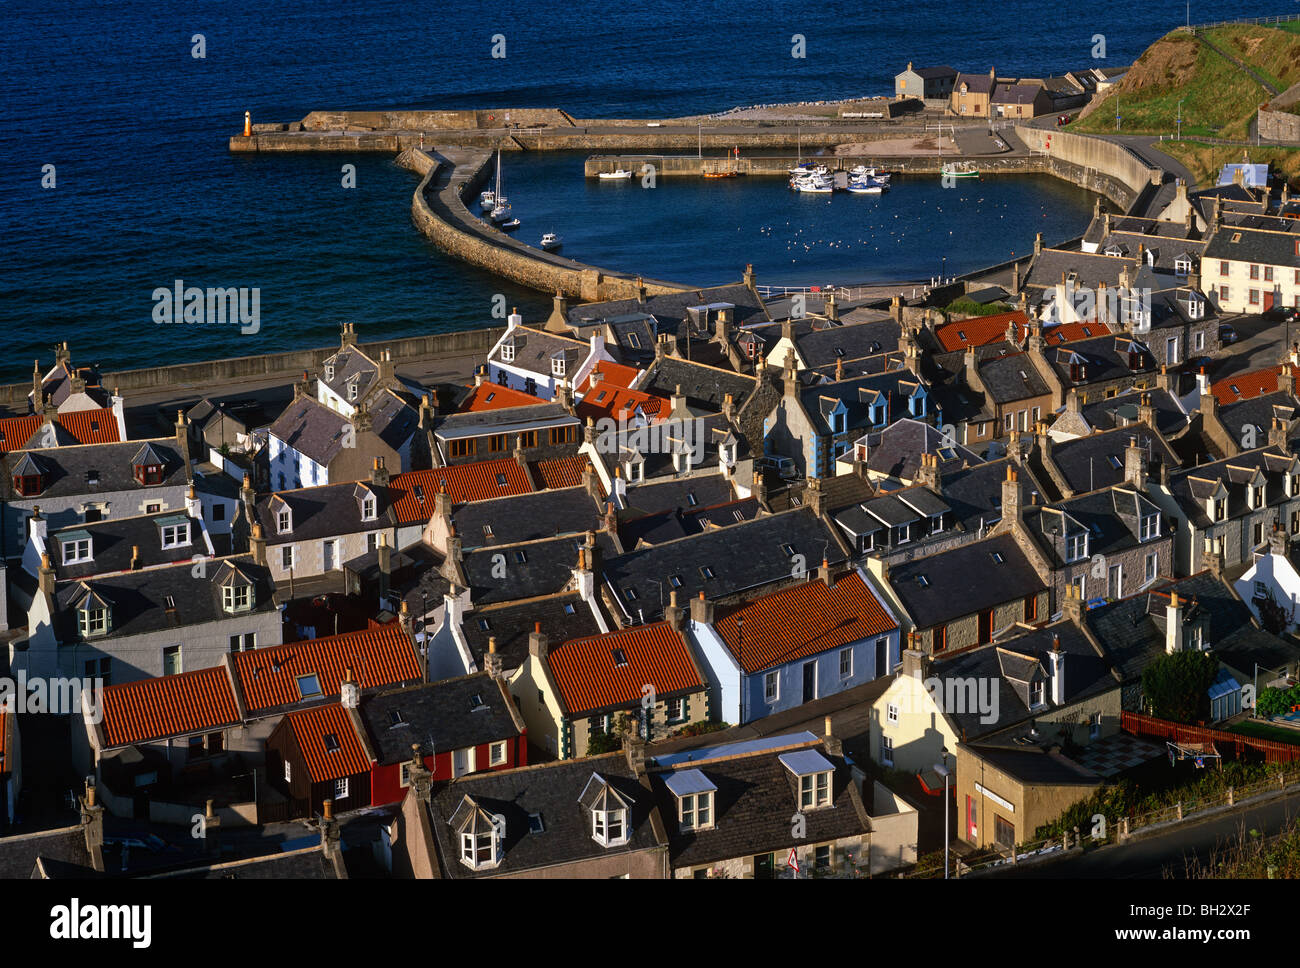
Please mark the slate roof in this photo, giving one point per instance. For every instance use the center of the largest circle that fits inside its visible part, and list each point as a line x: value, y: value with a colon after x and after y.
x: 975, y: 83
x: 441, y: 716
x: 112, y: 541
x: 1012, y: 377
x: 703, y: 386
x: 68, y: 470
x: 535, y: 348
x: 964, y: 580
x: 803, y: 620
x: 672, y: 307
x: 849, y: 341
x: 974, y: 494
x: 351, y: 365
x: 1258, y: 246
x: 744, y: 556
x: 679, y: 522
x: 552, y: 791
x: 312, y: 429
x: 1090, y: 269
x: 507, y: 420
x: 1035, y: 766
x: 1121, y: 411
x: 610, y: 671
x: 323, y: 511
x: 525, y: 517
x: 1111, y: 518
x: 857, y: 396
x: 1089, y: 463
x: 697, y: 491
x: 1193, y: 486
x: 546, y: 568
x: 896, y: 451
x: 754, y: 799
x: 562, y: 616
x: 64, y: 845
x: 138, y: 599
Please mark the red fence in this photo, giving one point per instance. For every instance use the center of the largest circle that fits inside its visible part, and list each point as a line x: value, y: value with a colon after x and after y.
x: 1237, y: 743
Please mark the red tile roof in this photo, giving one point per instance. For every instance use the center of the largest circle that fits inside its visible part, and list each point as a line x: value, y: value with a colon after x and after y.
x: 618, y: 403
x: 492, y: 396
x: 97, y: 426
x: 1246, y: 386
x: 561, y: 472
x: 311, y: 726
x: 978, y: 330
x: 588, y: 678
x: 616, y: 374
x: 474, y: 481
x: 382, y: 656
x: 16, y: 431
x: 1069, y: 332
x: 189, y: 702
x: 804, y: 620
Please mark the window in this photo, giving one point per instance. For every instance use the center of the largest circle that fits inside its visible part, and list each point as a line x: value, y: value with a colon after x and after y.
x: 822, y: 857
x: 1223, y: 268
x: 1254, y: 297
x: 1220, y: 509
x: 497, y: 754
x: 814, y: 790
x: 886, y: 751
x: 1036, y: 693
x: 1254, y: 272
x: 477, y: 850
x: 1268, y: 273
x: 1150, y: 527
x: 609, y: 827
x: 675, y: 710
x: 288, y: 772
x: 171, y: 660
x: 101, y: 670
x: 497, y: 443
x: 507, y: 353
x: 1094, y: 725
x: 771, y: 689
x: 175, y: 535
x: 846, y: 663
x: 286, y: 557
x: 236, y: 598
x: 536, y: 824
x: 404, y: 775
x: 1004, y: 832
x: 564, y: 435
x: 891, y: 712
x: 243, y: 643
x: 696, y: 811
x: 219, y: 511
x: 341, y: 788
x: 528, y: 438
x: 352, y: 391
x: 557, y: 366
x: 1152, y: 566
x: 1198, y: 341
x: 1076, y: 547
x: 75, y: 550
x: 463, y: 448
x: 1224, y: 293
x: 93, y: 621
x: 597, y: 724
x: 284, y: 521
x: 368, y: 508
x: 309, y: 686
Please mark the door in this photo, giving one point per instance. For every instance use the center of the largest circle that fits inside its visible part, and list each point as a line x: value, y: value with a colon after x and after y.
x: 1115, y: 582
x: 882, y: 658
x: 810, y: 681
x: 764, y: 866
x: 1268, y: 301
x: 462, y: 762
x: 330, y: 554
x: 986, y: 626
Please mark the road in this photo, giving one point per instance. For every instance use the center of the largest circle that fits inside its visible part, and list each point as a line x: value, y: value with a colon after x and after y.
x: 1165, y: 855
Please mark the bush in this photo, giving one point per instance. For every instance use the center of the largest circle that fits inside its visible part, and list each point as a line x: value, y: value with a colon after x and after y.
x: 1176, y: 686
x: 603, y: 743
x: 965, y: 307
x: 1277, y: 702
x: 700, y: 728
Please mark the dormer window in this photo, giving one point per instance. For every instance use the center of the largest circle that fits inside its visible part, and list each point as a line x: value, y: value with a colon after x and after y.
x: 329, y: 371
x: 1293, y: 481
x: 609, y: 827
x: 478, y: 850
x: 694, y: 792
x: 1076, y: 546
x: 1195, y: 308
x: 176, y: 535
x: 147, y: 466
x: 368, y: 508
x: 1182, y: 266
x: 76, y: 549
x: 1149, y: 527
x: 814, y: 791
x: 557, y: 366
x: 27, y: 485
x: 352, y: 391
x: 237, y: 598
x: 814, y: 773
x: 507, y: 352
x: 1218, y: 509
x: 1036, y: 693
x: 283, y: 521
x: 480, y: 835
x: 93, y: 620
x: 1257, y: 496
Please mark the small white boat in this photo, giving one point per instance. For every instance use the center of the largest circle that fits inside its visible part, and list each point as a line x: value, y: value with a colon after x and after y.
x: 509, y: 226
x: 488, y: 200
x: 815, y: 184
x: 617, y: 174
x: 804, y: 169
x: 866, y: 188
x: 963, y: 169
x: 550, y: 241
x: 501, y: 212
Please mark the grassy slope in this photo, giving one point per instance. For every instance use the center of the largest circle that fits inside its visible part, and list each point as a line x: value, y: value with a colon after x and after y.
x: 1218, y: 98
x: 1205, y: 161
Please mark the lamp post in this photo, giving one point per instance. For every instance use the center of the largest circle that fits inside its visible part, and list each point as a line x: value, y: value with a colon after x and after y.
x: 942, y: 768
x: 1179, y: 120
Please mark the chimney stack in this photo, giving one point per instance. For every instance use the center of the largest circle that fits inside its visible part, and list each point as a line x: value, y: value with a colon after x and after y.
x: 1174, y: 625
x: 537, y: 644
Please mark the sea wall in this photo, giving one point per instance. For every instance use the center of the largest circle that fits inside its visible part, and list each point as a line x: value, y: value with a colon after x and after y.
x: 202, y: 377
x: 1102, y: 166
x: 439, y: 212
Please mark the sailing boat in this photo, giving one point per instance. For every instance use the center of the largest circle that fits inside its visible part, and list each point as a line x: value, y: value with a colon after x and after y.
x: 501, y: 204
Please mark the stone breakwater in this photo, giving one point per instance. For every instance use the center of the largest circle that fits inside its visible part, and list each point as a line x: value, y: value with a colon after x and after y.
x: 439, y: 212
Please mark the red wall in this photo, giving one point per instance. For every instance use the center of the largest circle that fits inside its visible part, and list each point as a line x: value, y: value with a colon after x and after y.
x: 385, y: 781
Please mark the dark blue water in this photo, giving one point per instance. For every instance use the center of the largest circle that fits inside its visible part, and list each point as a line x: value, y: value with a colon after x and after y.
x: 147, y: 193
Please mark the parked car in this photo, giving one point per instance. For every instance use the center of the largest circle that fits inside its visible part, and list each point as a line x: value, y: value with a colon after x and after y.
x: 1227, y: 334
x: 1282, y: 314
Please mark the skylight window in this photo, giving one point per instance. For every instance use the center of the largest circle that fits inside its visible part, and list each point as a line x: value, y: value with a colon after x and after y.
x: 620, y: 657
x: 691, y: 499
x: 1114, y: 462
x: 569, y: 609
x: 488, y: 398
x: 309, y: 686
x: 520, y: 557
x: 997, y: 557
x: 331, y: 743
x: 675, y: 581
x: 395, y: 718
x: 629, y: 594
x: 788, y: 549
x: 501, y: 480
x: 484, y: 625
x: 535, y: 824
x: 923, y: 581
x: 707, y: 572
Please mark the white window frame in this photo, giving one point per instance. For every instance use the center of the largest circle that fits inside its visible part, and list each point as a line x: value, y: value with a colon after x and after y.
x: 814, y: 790
x: 678, y: 704
x: 237, y: 598
x: 891, y: 712
x: 472, y: 844
x: 1149, y: 527
x: 771, y: 686
x: 1152, y: 568
x: 288, y: 772
x: 846, y: 653
x: 507, y: 353
x: 73, y: 552
x: 368, y: 508
x: 886, y: 750
x: 287, y: 557
x: 283, y: 521
x: 92, y: 621
x: 176, y: 535
x: 497, y: 753
x: 341, y: 788
x: 689, y: 808
x: 603, y: 822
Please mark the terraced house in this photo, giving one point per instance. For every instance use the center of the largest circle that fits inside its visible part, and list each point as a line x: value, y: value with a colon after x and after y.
x: 1252, y: 270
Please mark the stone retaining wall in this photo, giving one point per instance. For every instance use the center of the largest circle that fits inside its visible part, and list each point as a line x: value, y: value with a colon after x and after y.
x: 1103, y: 166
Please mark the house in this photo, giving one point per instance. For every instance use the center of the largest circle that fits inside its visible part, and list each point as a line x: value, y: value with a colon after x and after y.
x: 898, y: 453
x: 589, y: 818
x: 68, y: 389
x: 924, y: 82
x: 780, y: 650
x: 972, y: 94
x: 503, y: 629
x: 539, y: 362
x: 581, y: 689
x: 315, y: 755
x: 86, y: 482
x: 204, y: 716
x: 415, y: 494
x: 213, y: 426
x: 460, y: 726
x: 742, y: 810
x: 964, y: 596
x: 102, y: 425
x: 1053, y: 680
x: 1270, y: 586
x: 158, y: 621
x: 1252, y: 270
x: 539, y: 432
x: 75, y: 851
x: 1020, y: 100
x: 311, y: 443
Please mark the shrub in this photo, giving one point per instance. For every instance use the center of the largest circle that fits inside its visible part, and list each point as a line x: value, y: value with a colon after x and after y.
x: 1176, y: 686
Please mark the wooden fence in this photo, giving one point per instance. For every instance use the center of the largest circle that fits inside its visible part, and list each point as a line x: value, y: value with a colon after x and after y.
x: 1274, y: 751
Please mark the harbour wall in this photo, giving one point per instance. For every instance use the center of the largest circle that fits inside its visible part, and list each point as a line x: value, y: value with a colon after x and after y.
x: 208, y: 376
x: 439, y: 212
x: 1095, y: 164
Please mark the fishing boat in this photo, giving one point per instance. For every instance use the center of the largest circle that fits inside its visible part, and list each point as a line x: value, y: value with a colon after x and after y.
x: 816, y: 184
x: 866, y: 186
x: 510, y: 226
x: 619, y: 173
x: 964, y: 169
x: 729, y: 173
x: 550, y: 241
x: 500, y: 213
x: 488, y: 200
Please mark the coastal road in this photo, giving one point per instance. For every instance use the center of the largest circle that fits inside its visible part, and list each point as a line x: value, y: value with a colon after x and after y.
x: 1167, y: 854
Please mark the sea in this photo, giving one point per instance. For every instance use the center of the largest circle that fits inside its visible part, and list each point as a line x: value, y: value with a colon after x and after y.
x: 116, y: 181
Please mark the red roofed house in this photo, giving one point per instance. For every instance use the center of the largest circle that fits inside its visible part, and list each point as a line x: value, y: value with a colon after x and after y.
x: 414, y: 495
x: 102, y: 425
x: 805, y: 642
x: 579, y: 690
x: 315, y: 755
x: 1012, y: 327
x: 495, y: 396
x: 188, y: 724
x: 1247, y: 386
